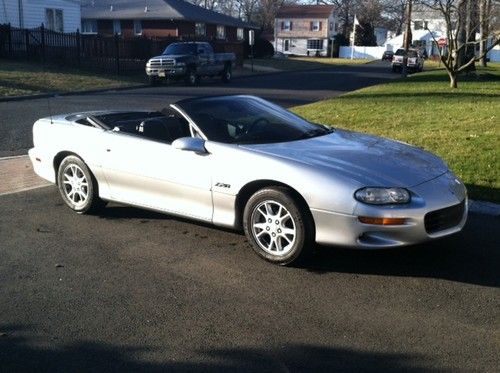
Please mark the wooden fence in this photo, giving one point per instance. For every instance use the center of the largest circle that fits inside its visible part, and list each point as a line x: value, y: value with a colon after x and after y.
x: 111, y: 54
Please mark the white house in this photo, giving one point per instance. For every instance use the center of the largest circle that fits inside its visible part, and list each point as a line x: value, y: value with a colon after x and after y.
x: 304, y: 29
x: 56, y: 15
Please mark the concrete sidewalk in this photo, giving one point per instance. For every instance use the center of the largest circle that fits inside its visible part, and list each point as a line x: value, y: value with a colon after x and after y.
x: 17, y: 175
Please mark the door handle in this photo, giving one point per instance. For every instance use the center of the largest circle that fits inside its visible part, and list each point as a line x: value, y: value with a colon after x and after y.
x: 108, y: 150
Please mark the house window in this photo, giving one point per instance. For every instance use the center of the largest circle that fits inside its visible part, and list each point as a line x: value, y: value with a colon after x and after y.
x: 54, y: 20
x: 287, y: 25
x: 221, y: 32
x: 117, y: 27
x: 240, y: 33
x: 315, y: 44
x: 418, y: 25
x: 89, y: 26
x: 137, y: 27
x: 287, y: 45
x: 315, y: 26
x: 200, y: 29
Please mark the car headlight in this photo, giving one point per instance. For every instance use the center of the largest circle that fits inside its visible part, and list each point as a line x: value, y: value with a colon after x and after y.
x: 382, y: 196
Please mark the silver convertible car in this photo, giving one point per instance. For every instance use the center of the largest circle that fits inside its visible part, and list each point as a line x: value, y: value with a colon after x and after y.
x: 245, y: 163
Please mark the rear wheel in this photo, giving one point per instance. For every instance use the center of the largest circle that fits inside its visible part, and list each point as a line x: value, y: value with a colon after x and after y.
x: 191, y: 78
x: 77, y: 186
x: 227, y: 74
x: 279, y: 229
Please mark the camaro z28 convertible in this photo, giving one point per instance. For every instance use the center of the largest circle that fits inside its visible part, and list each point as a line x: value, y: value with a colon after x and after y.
x: 243, y: 162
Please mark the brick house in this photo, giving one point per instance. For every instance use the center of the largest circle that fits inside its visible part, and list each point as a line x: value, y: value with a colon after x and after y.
x: 304, y: 29
x: 159, y: 18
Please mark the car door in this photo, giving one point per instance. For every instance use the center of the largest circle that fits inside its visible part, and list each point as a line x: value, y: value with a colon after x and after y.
x: 204, y: 66
x: 155, y: 175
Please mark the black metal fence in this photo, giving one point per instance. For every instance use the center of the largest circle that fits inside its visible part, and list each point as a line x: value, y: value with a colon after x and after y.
x: 111, y: 54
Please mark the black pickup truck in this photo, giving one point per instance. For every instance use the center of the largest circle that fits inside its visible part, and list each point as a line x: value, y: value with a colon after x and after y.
x: 190, y: 61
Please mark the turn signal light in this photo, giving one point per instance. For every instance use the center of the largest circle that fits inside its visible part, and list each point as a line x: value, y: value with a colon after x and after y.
x: 382, y: 221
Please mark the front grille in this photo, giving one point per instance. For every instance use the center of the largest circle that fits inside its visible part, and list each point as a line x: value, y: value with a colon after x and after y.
x: 443, y: 219
x: 161, y: 63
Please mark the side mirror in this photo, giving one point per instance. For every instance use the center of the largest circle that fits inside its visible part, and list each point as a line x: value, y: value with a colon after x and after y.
x: 191, y: 144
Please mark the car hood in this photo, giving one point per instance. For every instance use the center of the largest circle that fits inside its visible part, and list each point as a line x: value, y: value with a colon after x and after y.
x: 173, y: 56
x: 370, y: 160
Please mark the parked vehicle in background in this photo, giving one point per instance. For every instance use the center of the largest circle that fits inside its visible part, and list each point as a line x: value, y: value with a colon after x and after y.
x: 190, y: 61
x: 415, y: 61
x: 387, y: 56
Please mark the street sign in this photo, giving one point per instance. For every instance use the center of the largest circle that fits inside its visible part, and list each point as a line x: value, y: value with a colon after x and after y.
x: 442, y: 42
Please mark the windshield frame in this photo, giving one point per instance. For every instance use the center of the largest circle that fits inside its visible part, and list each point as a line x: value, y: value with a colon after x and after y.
x: 194, y: 47
x: 178, y: 106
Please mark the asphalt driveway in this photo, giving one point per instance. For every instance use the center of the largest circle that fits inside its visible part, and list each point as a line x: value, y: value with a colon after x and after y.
x: 287, y: 88
x: 130, y: 290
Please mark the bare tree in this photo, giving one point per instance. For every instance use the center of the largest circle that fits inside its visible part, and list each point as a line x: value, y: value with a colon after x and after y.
x: 461, y: 35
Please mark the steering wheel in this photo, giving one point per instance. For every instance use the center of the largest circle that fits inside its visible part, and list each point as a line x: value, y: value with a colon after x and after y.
x: 258, y: 121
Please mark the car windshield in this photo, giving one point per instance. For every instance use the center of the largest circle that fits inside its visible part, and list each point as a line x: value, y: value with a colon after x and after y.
x: 412, y: 53
x: 180, y: 49
x: 400, y: 52
x: 248, y: 120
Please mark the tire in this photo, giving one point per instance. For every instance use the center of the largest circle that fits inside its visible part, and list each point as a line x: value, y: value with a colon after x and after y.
x: 153, y: 80
x: 268, y: 214
x: 227, y: 74
x: 191, y: 78
x: 80, y: 194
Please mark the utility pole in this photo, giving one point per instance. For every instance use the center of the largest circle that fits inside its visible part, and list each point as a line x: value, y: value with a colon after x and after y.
x: 407, y: 37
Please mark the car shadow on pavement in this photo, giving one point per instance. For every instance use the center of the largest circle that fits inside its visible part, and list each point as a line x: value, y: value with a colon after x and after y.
x: 472, y: 256
x: 20, y: 351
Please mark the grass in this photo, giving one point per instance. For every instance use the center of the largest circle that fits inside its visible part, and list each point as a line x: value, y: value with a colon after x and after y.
x: 303, y: 63
x: 24, y: 78
x: 462, y: 126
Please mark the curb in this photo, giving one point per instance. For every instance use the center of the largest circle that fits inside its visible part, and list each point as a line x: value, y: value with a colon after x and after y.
x: 76, y: 93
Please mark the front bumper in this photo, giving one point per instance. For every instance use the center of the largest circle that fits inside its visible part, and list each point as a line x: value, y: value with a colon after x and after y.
x: 166, y: 72
x: 433, y: 196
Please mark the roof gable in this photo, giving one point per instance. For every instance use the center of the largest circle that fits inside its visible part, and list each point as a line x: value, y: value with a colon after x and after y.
x: 156, y: 9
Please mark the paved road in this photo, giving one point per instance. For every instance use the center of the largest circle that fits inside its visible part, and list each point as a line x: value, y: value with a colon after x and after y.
x: 130, y: 290
x: 288, y: 89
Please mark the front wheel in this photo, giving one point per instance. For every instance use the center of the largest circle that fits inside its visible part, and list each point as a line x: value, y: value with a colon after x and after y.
x: 279, y: 228
x: 77, y: 186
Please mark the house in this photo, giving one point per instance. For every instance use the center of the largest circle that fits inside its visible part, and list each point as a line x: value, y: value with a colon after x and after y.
x: 159, y: 18
x: 56, y: 15
x: 304, y: 29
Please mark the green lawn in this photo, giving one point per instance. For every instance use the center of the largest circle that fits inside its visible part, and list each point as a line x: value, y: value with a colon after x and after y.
x: 462, y: 126
x: 23, y: 78
x: 303, y: 63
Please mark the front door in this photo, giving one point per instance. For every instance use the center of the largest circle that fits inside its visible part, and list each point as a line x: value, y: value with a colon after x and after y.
x: 155, y: 175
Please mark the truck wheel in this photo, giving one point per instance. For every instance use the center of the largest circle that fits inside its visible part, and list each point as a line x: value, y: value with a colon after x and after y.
x: 153, y: 80
x: 227, y: 74
x: 191, y: 78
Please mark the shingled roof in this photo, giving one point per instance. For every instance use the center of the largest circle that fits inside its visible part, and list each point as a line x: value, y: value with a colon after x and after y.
x: 305, y: 11
x: 156, y: 10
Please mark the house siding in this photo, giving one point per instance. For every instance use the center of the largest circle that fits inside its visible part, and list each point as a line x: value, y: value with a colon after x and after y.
x: 34, y: 13
x: 164, y: 28
x: 301, y: 32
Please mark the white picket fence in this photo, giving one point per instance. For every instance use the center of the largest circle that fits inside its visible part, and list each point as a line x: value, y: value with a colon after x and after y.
x: 369, y: 53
